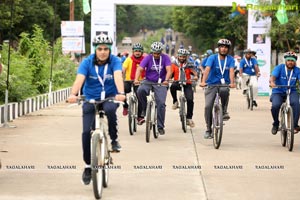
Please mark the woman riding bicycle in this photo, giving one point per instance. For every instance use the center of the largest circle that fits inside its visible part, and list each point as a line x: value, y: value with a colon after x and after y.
x: 249, y: 72
x: 100, y: 74
x: 285, y: 74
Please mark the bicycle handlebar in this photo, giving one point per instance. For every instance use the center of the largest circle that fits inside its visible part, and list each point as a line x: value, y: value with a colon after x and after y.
x: 152, y: 83
x: 217, y: 85
x: 285, y: 86
x: 93, y: 101
x: 186, y: 81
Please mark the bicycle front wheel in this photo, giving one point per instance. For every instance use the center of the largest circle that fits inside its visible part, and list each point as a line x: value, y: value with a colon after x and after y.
x: 148, y: 122
x: 217, y: 121
x: 97, y: 166
x: 290, y: 129
x: 131, y: 116
x: 154, y: 125
x: 107, y: 162
x: 283, y: 132
x: 182, y: 113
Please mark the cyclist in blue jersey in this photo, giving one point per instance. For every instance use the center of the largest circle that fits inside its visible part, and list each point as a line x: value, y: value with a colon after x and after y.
x: 157, y: 66
x: 219, y: 70
x: 285, y: 74
x: 100, y: 74
x: 249, y: 72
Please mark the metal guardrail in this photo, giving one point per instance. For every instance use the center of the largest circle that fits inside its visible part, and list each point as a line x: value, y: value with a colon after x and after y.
x: 18, y: 109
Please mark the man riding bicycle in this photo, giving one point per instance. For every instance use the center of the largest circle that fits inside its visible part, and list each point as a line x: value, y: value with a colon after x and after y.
x: 129, y: 70
x: 158, y: 70
x: 285, y: 74
x: 219, y: 70
x: 100, y: 74
x: 249, y: 72
x: 182, y: 70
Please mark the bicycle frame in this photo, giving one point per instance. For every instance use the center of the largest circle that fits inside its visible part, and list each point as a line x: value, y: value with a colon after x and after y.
x: 151, y: 113
x: 217, y: 118
x: 249, y: 92
x: 287, y: 121
x: 101, y: 129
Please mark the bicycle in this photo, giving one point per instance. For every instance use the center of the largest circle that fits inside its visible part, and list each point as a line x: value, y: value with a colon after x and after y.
x: 151, y: 114
x: 183, y: 105
x: 132, y: 110
x: 100, y: 153
x: 249, y: 94
x: 217, y: 118
x: 287, y: 120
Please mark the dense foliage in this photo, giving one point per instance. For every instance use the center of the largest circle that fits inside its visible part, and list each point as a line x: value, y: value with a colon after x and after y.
x: 30, y: 67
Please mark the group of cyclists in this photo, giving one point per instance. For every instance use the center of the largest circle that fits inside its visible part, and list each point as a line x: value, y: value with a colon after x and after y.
x: 103, y: 75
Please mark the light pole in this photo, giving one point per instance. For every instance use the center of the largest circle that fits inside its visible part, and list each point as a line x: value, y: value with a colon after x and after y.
x: 72, y: 10
x: 6, y: 125
x: 50, y: 102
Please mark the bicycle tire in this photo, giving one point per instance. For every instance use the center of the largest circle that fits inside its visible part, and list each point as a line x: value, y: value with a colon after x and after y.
x: 135, y: 115
x: 96, y: 162
x: 248, y: 99
x: 283, y: 132
x: 217, y: 125
x: 290, y: 129
x: 251, y: 97
x: 106, y: 163
x: 131, y: 117
x: 148, y: 122
x: 182, y: 113
x: 155, y: 130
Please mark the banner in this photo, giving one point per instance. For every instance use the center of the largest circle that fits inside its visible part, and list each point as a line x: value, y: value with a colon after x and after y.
x: 258, y: 41
x: 86, y: 6
x: 72, y: 33
x: 73, y: 44
x: 72, y: 28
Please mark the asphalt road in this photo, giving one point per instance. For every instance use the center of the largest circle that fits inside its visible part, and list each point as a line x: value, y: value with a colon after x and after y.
x: 42, y: 158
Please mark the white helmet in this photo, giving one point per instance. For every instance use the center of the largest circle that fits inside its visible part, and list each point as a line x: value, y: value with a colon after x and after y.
x: 102, y: 39
x: 156, y: 47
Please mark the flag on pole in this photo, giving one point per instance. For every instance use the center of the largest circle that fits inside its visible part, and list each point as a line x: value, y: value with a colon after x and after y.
x: 281, y: 13
x: 86, y: 6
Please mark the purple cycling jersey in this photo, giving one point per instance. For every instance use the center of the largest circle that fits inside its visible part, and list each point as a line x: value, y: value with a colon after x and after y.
x: 155, y: 68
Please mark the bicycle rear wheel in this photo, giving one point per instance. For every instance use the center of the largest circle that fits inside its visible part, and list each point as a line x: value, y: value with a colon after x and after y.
x: 131, y: 116
x: 283, y: 131
x: 154, y: 125
x: 217, y: 121
x: 182, y: 113
x: 97, y: 166
x: 148, y: 122
x: 290, y: 129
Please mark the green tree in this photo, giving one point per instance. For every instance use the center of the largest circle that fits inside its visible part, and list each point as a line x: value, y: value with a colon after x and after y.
x: 205, y: 25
